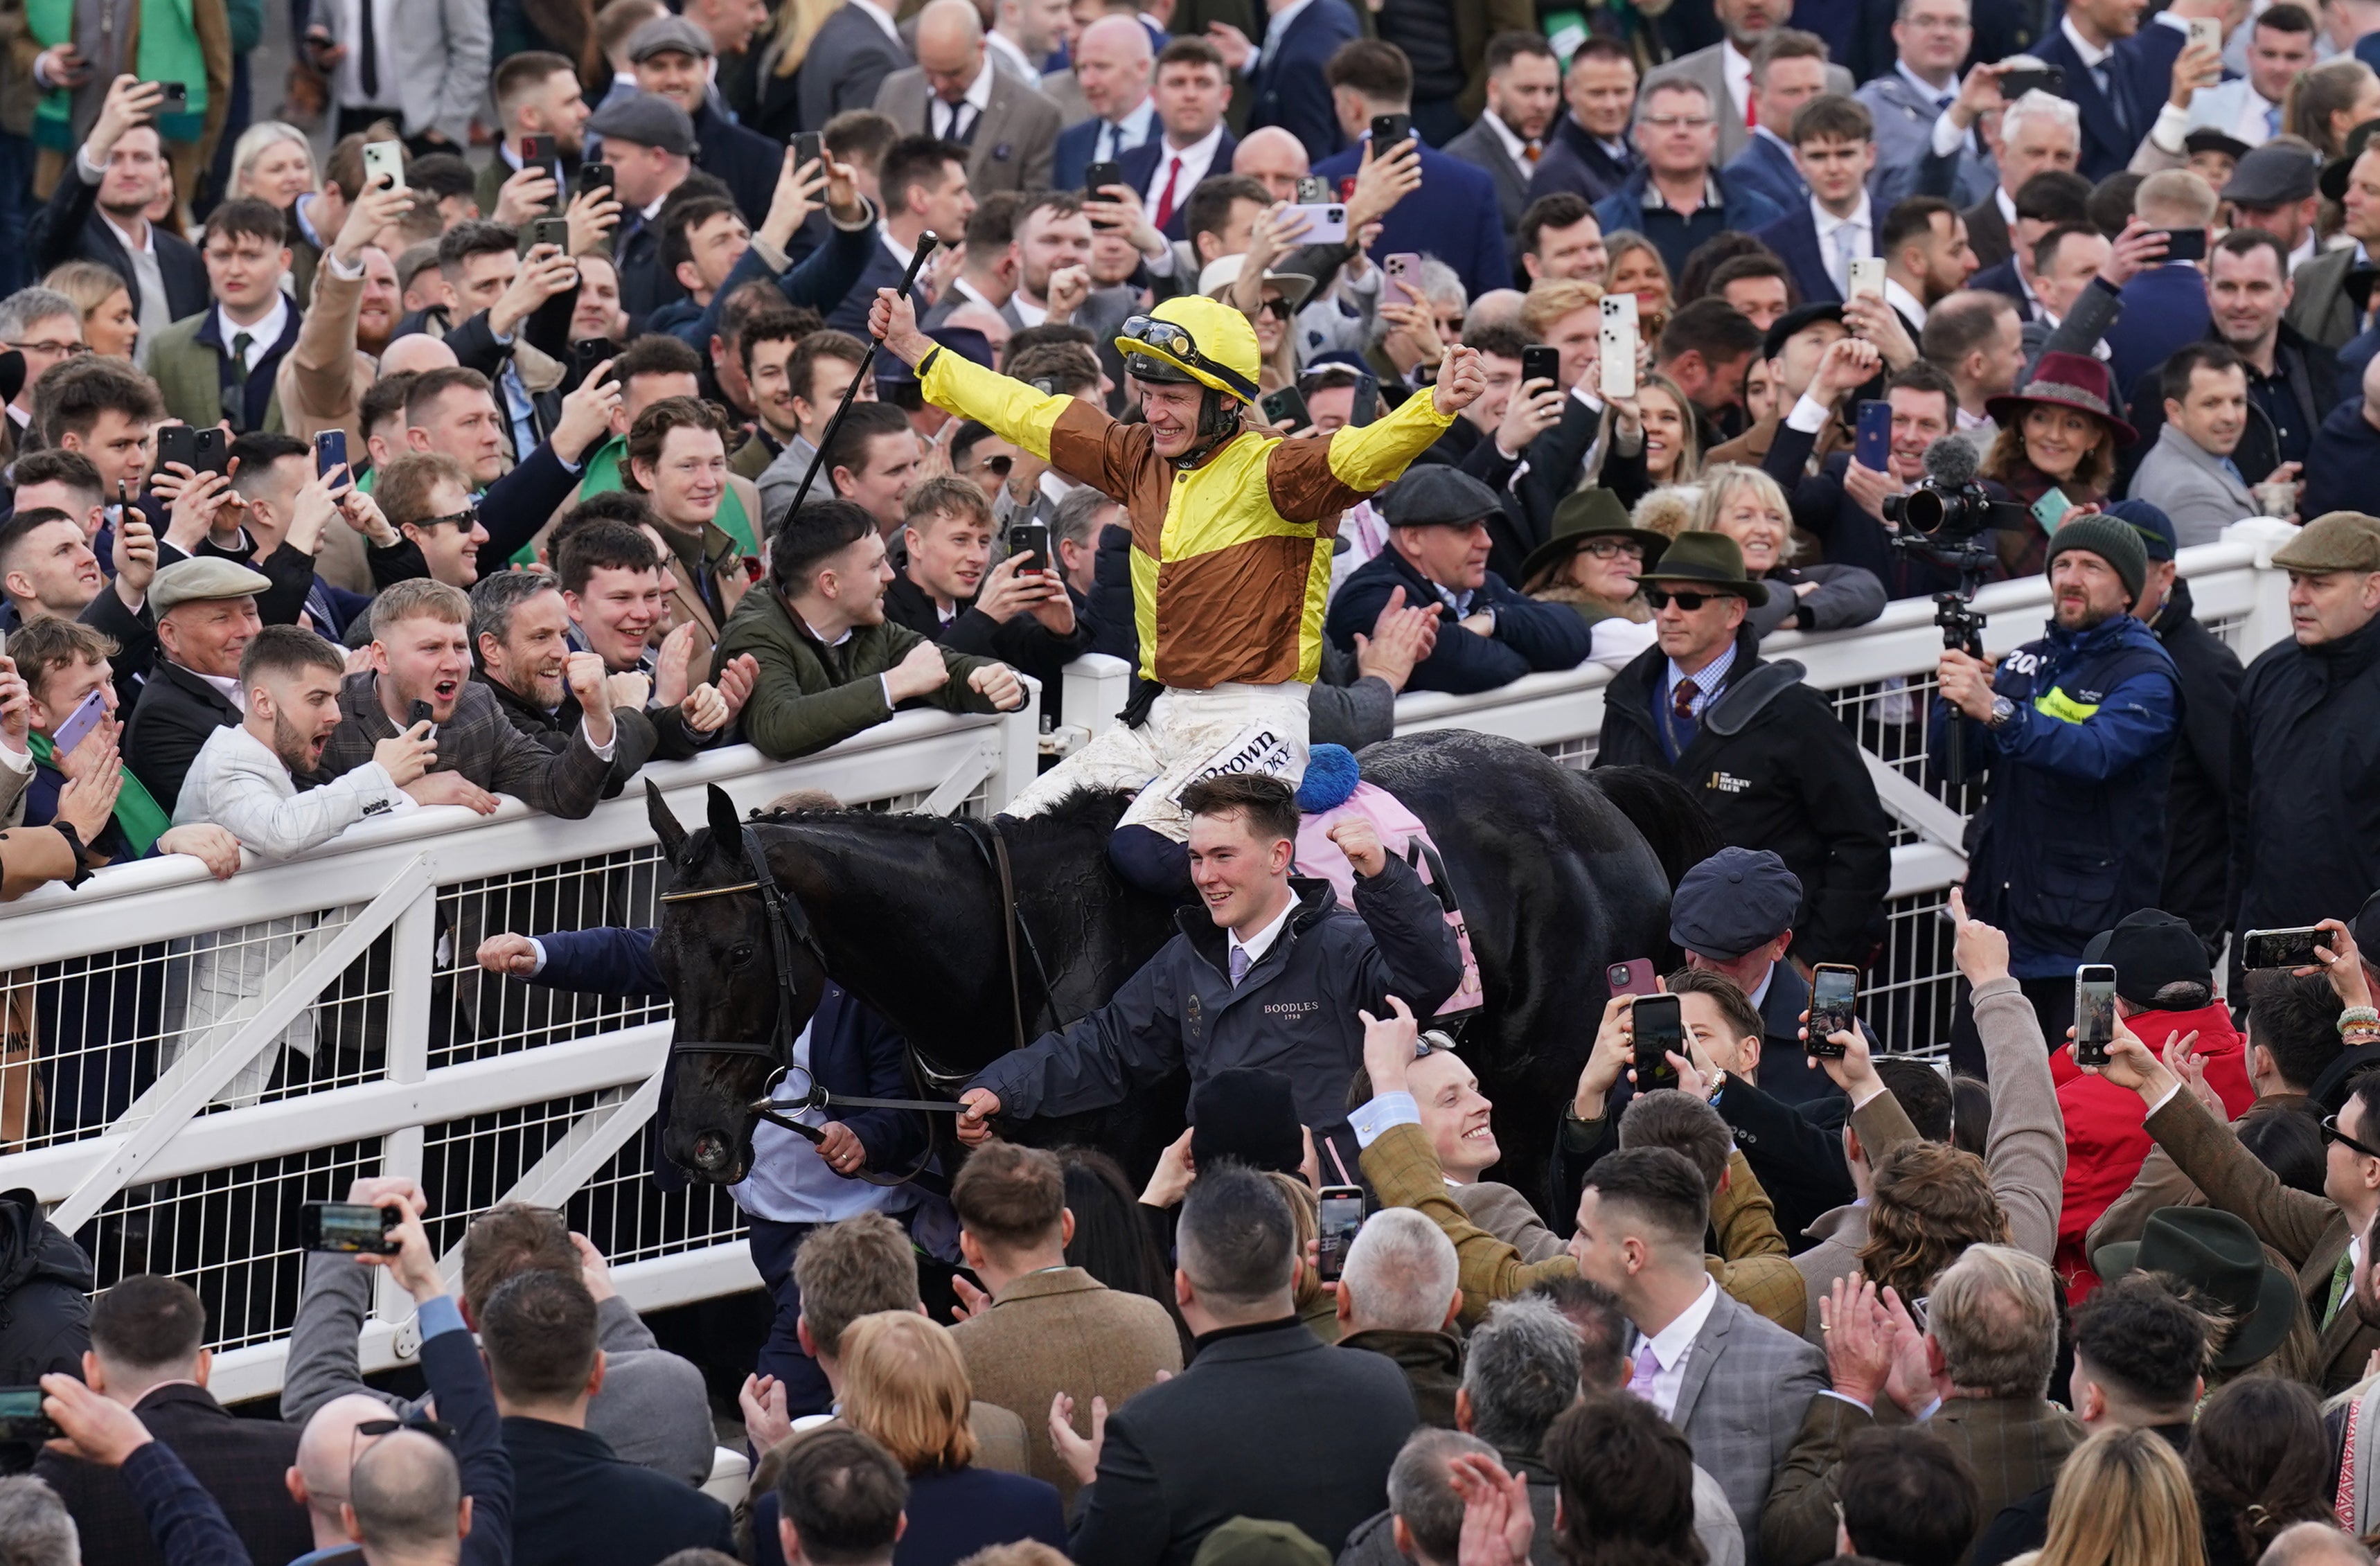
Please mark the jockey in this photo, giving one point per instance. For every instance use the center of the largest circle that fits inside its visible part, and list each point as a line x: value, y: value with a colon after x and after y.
x: 1232, y: 532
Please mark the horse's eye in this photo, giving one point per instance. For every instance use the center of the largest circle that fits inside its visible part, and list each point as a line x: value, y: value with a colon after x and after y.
x: 739, y: 955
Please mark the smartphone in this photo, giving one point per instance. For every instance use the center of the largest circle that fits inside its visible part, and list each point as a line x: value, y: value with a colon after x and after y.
x: 86, y: 717
x: 1873, y: 447
x: 555, y: 231
x: 1028, y: 542
x: 1342, y: 1218
x: 175, y: 99
x: 2208, y: 30
x: 21, y: 1418
x: 1367, y: 402
x: 1867, y: 276
x: 2051, y: 509
x: 2094, y: 1013
x: 1616, y: 372
x: 1099, y: 176
x: 588, y: 352
x: 200, y: 451
x: 2282, y: 948
x: 330, y: 451
x: 1287, y: 403
x: 1313, y: 188
x: 1834, y: 995
x: 1634, y: 976
x: 1326, y: 224
x: 214, y: 450
x: 1387, y: 130
x: 537, y: 152
x: 1542, y: 362
x: 348, y: 1227
x: 1404, y: 269
x: 591, y: 177
x: 809, y: 146
x: 2184, y: 244
x: 1661, y: 1032
x: 419, y: 713
x: 2046, y: 78
x: 384, y: 160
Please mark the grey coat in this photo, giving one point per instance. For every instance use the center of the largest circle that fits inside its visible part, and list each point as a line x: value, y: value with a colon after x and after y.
x: 1014, y: 140
x: 847, y: 63
x: 2320, y: 307
x: 1748, y: 1383
x: 1707, y: 68
x: 480, y: 743
x: 1482, y: 148
x: 2194, y: 487
x: 652, y: 1409
x: 443, y: 49
x: 1904, y: 146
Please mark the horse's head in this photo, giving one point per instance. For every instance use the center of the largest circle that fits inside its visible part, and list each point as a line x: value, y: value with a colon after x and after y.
x: 744, y: 985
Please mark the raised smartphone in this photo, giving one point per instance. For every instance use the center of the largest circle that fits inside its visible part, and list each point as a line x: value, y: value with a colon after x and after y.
x: 2283, y: 948
x: 330, y: 452
x: 1542, y: 362
x: 384, y: 160
x: 1341, y: 1216
x: 1873, y: 449
x: 2094, y: 1013
x: 1326, y: 224
x: 1028, y: 542
x: 1634, y: 976
x: 78, y: 723
x: 1287, y: 403
x: 350, y: 1228
x: 1834, y: 998
x: 1616, y: 371
x: 1387, y: 130
x: 1661, y: 1032
x: 1867, y: 276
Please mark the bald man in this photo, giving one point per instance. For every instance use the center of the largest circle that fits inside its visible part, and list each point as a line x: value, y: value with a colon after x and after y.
x: 415, y: 352
x: 406, y: 1504
x: 318, y: 1480
x: 1111, y: 73
x: 957, y: 91
x: 1274, y: 159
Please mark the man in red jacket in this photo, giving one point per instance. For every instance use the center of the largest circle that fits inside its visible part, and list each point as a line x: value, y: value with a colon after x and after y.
x: 2164, y: 988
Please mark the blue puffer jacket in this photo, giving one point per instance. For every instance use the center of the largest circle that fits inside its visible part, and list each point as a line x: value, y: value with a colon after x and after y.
x: 2071, y: 837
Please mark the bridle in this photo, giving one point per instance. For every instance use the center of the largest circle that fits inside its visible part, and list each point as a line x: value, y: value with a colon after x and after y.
x: 788, y: 926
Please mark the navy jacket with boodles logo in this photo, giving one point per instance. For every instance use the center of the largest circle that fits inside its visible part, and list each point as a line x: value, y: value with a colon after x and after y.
x: 2072, y: 835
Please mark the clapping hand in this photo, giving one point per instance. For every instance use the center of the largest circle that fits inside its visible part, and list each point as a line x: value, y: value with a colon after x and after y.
x: 1497, y: 1522
x: 1081, y: 1457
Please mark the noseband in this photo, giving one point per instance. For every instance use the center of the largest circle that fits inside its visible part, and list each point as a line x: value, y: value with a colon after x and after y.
x: 788, y: 926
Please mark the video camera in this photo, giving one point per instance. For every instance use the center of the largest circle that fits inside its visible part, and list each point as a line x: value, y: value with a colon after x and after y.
x: 1948, y: 510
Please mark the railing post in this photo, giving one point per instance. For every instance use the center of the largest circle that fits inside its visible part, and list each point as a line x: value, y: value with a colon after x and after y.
x: 2268, y: 620
x: 1020, y: 750
x: 412, y: 961
x: 1097, y: 686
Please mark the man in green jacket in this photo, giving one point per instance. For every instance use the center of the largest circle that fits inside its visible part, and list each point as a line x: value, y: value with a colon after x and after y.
x: 831, y: 665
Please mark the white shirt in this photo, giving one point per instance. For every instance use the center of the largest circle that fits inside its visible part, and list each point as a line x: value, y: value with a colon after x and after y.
x: 1905, y: 302
x: 790, y: 1182
x: 1255, y: 946
x: 1931, y: 93
x: 893, y: 248
x: 2089, y: 52
x: 2254, y: 125
x: 1195, y: 159
x: 228, y: 689
x: 1118, y: 137
x: 1674, y: 1345
x: 2006, y: 202
x: 2307, y: 249
x: 1861, y: 224
x: 1736, y: 67
x: 1029, y: 69
x: 1027, y: 312
x: 347, y: 79
x: 261, y: 337
x: 954, y: 122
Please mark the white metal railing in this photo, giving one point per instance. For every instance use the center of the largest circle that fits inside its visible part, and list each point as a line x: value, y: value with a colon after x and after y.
x: 185, y: 1148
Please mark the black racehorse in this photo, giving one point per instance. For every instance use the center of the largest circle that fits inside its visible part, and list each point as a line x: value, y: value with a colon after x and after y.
x: 1558, y: 872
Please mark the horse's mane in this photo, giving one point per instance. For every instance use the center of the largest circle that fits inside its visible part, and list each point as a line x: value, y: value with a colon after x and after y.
x: 1081, y: 813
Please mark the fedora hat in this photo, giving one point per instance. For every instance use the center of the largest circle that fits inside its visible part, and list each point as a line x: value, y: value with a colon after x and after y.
x: 2061, y: 380
x: 1705, y: 560
x: 2218, y: 1255
x: 1592, y: 513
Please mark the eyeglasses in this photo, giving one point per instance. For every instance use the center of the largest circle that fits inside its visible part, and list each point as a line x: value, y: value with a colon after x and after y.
x: 464, y: 519
x: 1659, y: 599
x: 60, y: 350
x: 1672, y: 122
x: 1613, y: 548
x: 2330, y: 1133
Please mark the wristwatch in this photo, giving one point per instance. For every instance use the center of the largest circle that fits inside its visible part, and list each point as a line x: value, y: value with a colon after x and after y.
x: 2003, y: 713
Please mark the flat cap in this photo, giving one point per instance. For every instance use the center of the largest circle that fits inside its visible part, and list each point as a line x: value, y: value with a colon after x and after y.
x: 1737, y: 899
x: 2272, y: 175
x: 2340, y: 540
x: 1801, y: 319
x: 647, y: 120
x: 1436, y: 495
x: 1256, y: 1541
x: 203, y: 578
x: 665, y: 35
x: 2209, y: 138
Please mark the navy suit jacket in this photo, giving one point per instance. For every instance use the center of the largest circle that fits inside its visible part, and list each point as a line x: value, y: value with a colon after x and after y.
x: 1576, y: 162
x: 2165, y: 308
x: 1764, y: 166
x: 2002, y: 279
x: 1531, y: 638
x: 1139, y: 167
x: 883, y: 271
x: 746, y: 160
x: 1453, y: 217
x: 953, y: 1513
x: 69, y: 228
x: 2141, y: 71
x: 1289, y: 89
x: 1794, y: 237
x: 1070, y: 155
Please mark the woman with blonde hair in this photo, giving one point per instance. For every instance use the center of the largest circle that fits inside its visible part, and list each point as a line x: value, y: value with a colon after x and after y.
x: 274, y: 162
x: 2123, y: 1498
x: 1636, y: 267
x: 109, y: 326
x: 1270, y: 301
x: 1672, y: 446
x: 905, y: 1383
x: 786, y: 41
x: 1748, y: 506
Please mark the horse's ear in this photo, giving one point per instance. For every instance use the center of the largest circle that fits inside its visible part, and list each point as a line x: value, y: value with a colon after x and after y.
x: 665, y: 825
x: 726, y: 826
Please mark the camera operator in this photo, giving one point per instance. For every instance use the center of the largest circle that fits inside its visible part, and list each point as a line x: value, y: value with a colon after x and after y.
x: 2078, y: 732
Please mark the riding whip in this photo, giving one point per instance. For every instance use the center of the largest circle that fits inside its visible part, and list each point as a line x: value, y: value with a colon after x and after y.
x: 926, y: 243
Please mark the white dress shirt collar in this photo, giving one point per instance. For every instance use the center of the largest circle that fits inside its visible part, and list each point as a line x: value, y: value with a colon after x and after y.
x: 893, y: 248
x: 1196, y: 158
x: 2006, y: 202
x: 1905, y: 302
x: 1516, y: 146
x: 1735, y: 65
x: 261, y: 337
x: 1925, y: 89
x: 228, y: 687
x: 1119, y: 136
x: 1028, y: 68
x: 978, y: 97
x: 1256, y: 945
x: 1674, y: 1343
x: 2090, y: 52
x: 1863, y: 218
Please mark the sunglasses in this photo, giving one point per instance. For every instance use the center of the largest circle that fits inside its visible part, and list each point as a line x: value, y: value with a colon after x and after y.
x: 2330, y: 1133
x: 1000, y: 465
x: 464, y: 519
x: 1277, y: 308
x: 1661, y: 599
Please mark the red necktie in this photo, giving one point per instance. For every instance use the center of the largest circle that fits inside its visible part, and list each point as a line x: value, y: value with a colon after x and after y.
x: 1682, y: 705
x: 1165, y: 196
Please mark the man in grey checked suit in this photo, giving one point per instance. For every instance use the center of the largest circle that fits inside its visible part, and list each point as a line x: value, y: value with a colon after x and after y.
x: 960, y: 93
x: 1730, y: 61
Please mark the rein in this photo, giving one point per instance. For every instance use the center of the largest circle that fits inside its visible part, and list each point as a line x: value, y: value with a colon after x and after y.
x: 990, y: 843
x: 788, y: 926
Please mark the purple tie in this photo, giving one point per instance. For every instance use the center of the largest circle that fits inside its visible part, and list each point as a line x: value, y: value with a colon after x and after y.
x: 1239, y: 964
x: 1640, y: 1381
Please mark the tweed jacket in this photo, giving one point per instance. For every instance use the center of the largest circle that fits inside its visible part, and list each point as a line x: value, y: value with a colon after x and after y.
x: 480, y: 743
x: 1062, y: 1330
x: 2014, y: 1445
x: 2319, y: 306
x: 1013, y: 142
x: 2308, y: 1230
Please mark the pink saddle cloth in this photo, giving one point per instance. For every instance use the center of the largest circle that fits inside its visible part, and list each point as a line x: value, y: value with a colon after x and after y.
x: 1402, y: 835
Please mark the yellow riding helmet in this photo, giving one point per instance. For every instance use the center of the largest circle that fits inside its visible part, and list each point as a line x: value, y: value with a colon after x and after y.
x: 1191, y: 337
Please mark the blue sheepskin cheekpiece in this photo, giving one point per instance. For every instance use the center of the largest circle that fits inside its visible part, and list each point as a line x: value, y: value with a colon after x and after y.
x: 1330, y: 777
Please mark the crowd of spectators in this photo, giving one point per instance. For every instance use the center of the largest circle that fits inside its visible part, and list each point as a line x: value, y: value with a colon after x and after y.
x: 529, y: 399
